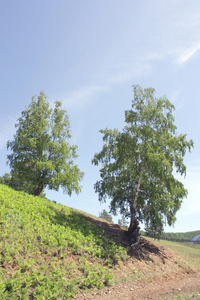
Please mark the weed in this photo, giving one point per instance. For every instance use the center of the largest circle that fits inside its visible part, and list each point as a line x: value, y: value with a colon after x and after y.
x: 49, y: 251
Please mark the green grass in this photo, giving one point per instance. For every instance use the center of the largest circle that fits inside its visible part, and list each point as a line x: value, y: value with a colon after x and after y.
x: 184, y: 296
x: 50, y: 251
x: 189, y: 252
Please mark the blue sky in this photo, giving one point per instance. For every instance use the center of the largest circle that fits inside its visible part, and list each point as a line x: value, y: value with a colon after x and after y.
x: 88, y: 54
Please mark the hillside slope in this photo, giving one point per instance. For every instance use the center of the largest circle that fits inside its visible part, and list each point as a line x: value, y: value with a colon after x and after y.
x: 50, y: 251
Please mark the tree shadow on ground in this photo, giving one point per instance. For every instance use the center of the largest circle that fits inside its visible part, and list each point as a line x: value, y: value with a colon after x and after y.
x: 120, y: 236
x: 112, y: 232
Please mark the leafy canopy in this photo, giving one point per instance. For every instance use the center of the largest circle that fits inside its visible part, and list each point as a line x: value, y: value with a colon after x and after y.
x: 138, y: 164
x: 41, y: 155
x: 105, y: 215
x: 5, y: 179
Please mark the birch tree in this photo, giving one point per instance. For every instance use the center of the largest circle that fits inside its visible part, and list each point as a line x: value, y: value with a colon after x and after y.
x: 41, y: 155
x: 138, y: 165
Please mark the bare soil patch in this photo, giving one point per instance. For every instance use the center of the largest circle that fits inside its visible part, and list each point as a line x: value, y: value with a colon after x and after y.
x: 158, y: 287
x: 150, y: 272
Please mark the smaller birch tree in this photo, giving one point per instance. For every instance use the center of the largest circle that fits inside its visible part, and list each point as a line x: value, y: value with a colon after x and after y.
x: 40, y: 153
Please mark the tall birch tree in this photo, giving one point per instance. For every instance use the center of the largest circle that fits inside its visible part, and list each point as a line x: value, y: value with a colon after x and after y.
x: 138, y: 165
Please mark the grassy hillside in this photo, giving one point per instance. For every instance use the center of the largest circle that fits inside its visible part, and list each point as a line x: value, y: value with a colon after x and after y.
x: 189, y: 252
x: 49, y: 251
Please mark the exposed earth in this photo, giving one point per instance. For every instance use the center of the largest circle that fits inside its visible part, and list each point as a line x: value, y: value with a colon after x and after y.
x: 151, y: 272
x: 158, y: 287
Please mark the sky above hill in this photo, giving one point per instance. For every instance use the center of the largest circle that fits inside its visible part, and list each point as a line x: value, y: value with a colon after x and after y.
x: 88, y: 54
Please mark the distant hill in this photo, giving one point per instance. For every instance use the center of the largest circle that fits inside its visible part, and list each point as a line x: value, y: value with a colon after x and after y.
x: 178, y: 236
x: 196, y: 239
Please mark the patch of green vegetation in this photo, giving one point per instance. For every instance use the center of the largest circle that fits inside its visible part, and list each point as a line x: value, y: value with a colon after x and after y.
x: 50, y: 251
x: 184, y: 296
x: 177, y: 236
x: 180, y: 236
x: 189, y: 252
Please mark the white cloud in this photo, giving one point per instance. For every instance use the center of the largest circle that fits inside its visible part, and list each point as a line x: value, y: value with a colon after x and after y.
x: 116, y: 74
x: 131, y: 71
x: 83, y: 96
x: 180, y: 54
x: 176, y: 35
x: 156, y: 55
x: 185, y: 53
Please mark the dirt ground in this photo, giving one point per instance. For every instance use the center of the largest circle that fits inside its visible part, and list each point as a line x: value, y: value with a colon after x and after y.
x: 151, y: 272
x: 156, y: 288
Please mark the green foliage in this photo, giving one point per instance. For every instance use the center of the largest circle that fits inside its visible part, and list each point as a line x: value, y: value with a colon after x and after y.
x: 105, y: 215
x: 49, y: 251
x: 8, y: 180
x: 180, y: 236
x: 184, y: 237
x: 138, y: 163
x: 41, y: 155
x: 123, y: 222
x: 5, y: 179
